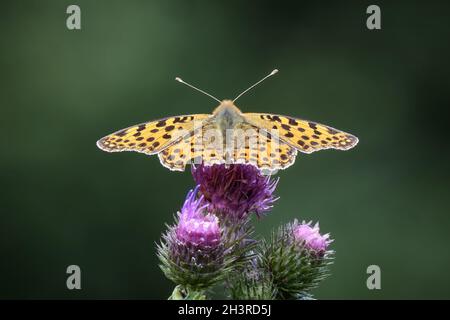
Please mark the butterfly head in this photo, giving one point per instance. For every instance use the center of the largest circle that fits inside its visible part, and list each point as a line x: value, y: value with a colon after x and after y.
x: 227, y: 115
x: 226, y: 106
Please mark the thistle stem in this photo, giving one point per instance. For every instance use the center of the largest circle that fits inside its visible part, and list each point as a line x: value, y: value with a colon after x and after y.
x: 182, y: 293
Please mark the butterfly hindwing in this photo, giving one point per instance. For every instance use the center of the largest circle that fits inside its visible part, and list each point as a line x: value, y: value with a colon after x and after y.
x: 151, y: 137
x: 202, y: 145
x: 246, y: 145
x: 186, y: 149
x: 306, y: 136
x: 256, y: 146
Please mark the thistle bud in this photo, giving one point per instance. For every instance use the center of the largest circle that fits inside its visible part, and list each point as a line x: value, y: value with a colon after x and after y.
x: 193, y: 251
x: 252, y: 283
x: 298, y: 257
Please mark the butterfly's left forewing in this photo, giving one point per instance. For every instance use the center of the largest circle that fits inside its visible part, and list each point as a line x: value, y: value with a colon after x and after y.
x: 152, y: 137
x: 305, y: 136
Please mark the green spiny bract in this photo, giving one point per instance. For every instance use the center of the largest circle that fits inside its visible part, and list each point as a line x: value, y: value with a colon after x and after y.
x: 252, y: 283
x: 295, y: 268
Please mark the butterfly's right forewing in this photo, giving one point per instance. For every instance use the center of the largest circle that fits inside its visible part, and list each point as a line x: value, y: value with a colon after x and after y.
x: 305, y: 136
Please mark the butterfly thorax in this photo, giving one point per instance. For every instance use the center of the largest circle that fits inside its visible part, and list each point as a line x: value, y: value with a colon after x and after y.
x: 227, y: 116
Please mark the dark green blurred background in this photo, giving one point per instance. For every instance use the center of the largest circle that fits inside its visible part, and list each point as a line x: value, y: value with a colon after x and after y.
x: 63, y: 201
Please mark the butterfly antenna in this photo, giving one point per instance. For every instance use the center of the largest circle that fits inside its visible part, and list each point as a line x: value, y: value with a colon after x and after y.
x: 195, y: 88
x: 251, y: 87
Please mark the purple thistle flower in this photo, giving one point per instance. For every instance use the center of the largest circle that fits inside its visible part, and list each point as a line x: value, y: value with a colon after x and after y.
x: 193, y: 207
x: 194, y: 227
x: 235, y: 190
x: 310, y: 236
x: 192, y: 252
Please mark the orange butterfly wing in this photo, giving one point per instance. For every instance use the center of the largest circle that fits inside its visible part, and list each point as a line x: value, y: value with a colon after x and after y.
x: 306, y: 136
x: 249, y: 145
x: 151, y: 137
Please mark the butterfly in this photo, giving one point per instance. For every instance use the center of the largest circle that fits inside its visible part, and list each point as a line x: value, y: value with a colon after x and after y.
x: 267, y: 141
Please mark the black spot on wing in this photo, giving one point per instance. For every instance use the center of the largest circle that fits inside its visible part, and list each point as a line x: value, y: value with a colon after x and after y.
x: 161, y: 123
x: 332, y: 131
x: 121, y: 133
x: 292, y: 122
x: 312, y: 125
x: 289, y: 135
